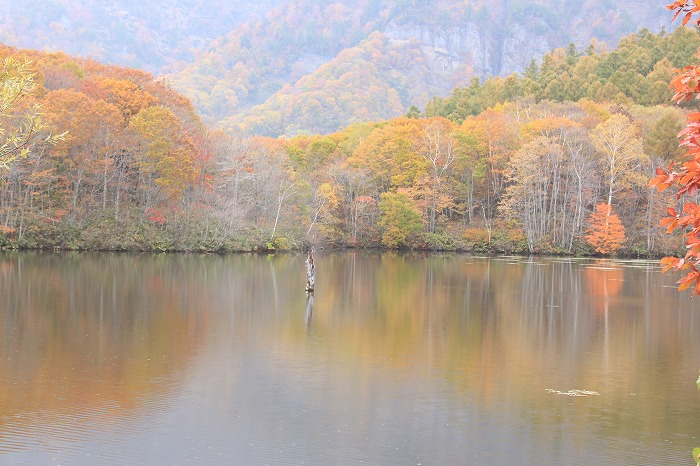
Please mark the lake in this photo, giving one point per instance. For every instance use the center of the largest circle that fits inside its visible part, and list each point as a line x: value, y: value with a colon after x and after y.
x: 396, y: 360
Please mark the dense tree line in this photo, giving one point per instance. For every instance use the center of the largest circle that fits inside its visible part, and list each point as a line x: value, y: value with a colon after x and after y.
x: 138, y: 170
x: 132, y: 150
x: 524, y: 177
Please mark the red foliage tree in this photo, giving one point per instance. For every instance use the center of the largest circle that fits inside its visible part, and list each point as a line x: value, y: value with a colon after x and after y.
x: 606, y: 232
x: 685, y: 177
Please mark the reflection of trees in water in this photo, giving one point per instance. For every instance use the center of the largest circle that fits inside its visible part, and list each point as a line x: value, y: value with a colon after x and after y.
x: 491, y: 325
x: 82, y: 329
x: 85, y: 330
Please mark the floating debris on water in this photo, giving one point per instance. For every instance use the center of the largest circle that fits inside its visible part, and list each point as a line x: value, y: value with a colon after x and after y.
x: 573, y: 392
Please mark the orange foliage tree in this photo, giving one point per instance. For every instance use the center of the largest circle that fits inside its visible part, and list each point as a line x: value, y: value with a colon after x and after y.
x: 606, y: 232
x: 687, y: 176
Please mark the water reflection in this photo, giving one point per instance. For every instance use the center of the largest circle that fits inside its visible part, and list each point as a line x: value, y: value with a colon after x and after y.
x: 309, y: 309
x: 68, y: 323
x: 401, y: 359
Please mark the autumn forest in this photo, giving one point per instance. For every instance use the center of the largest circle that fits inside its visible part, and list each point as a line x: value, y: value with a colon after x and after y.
x: 553, y: 160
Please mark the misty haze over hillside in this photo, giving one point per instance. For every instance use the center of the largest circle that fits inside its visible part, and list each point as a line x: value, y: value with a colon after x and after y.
x: 269, y: 66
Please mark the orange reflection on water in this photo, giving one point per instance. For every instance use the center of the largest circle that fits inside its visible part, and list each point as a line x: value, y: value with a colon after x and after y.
x: 603, y: 281
x: 78, y: 335
x: 252, y: 354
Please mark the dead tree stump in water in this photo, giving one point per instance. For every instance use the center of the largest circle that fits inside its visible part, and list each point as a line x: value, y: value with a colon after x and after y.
x: 309, y: 309
x: 310, y: 271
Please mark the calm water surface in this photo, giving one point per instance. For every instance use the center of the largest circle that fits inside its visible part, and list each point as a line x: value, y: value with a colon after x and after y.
x: 397, y: 360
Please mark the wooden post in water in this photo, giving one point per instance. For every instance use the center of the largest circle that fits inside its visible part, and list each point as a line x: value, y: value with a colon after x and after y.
x: 310, y: 271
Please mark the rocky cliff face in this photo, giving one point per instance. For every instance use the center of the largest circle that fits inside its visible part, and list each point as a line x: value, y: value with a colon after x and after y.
x: 469, y: 47
x: 499, y: 37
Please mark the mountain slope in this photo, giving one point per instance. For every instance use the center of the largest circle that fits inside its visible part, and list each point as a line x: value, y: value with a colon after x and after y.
x: 375, y: 80
x: 151, y: 34
x: 271, y: 76
x: 265, y: 65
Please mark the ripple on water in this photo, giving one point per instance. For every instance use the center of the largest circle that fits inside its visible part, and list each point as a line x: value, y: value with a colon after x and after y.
x: 80, y: 435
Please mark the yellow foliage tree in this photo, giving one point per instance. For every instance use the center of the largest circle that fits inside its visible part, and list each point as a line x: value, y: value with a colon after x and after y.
x: 167, y: 151
x: 17, y: 138
x: 400, y: 219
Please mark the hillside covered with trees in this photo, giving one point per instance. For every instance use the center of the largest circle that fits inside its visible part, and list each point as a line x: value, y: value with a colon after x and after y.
x: 362, y: 83
x: 372, y: 59
x: 262, y: 67
x: 521, y: 173
x: 150, y: 35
